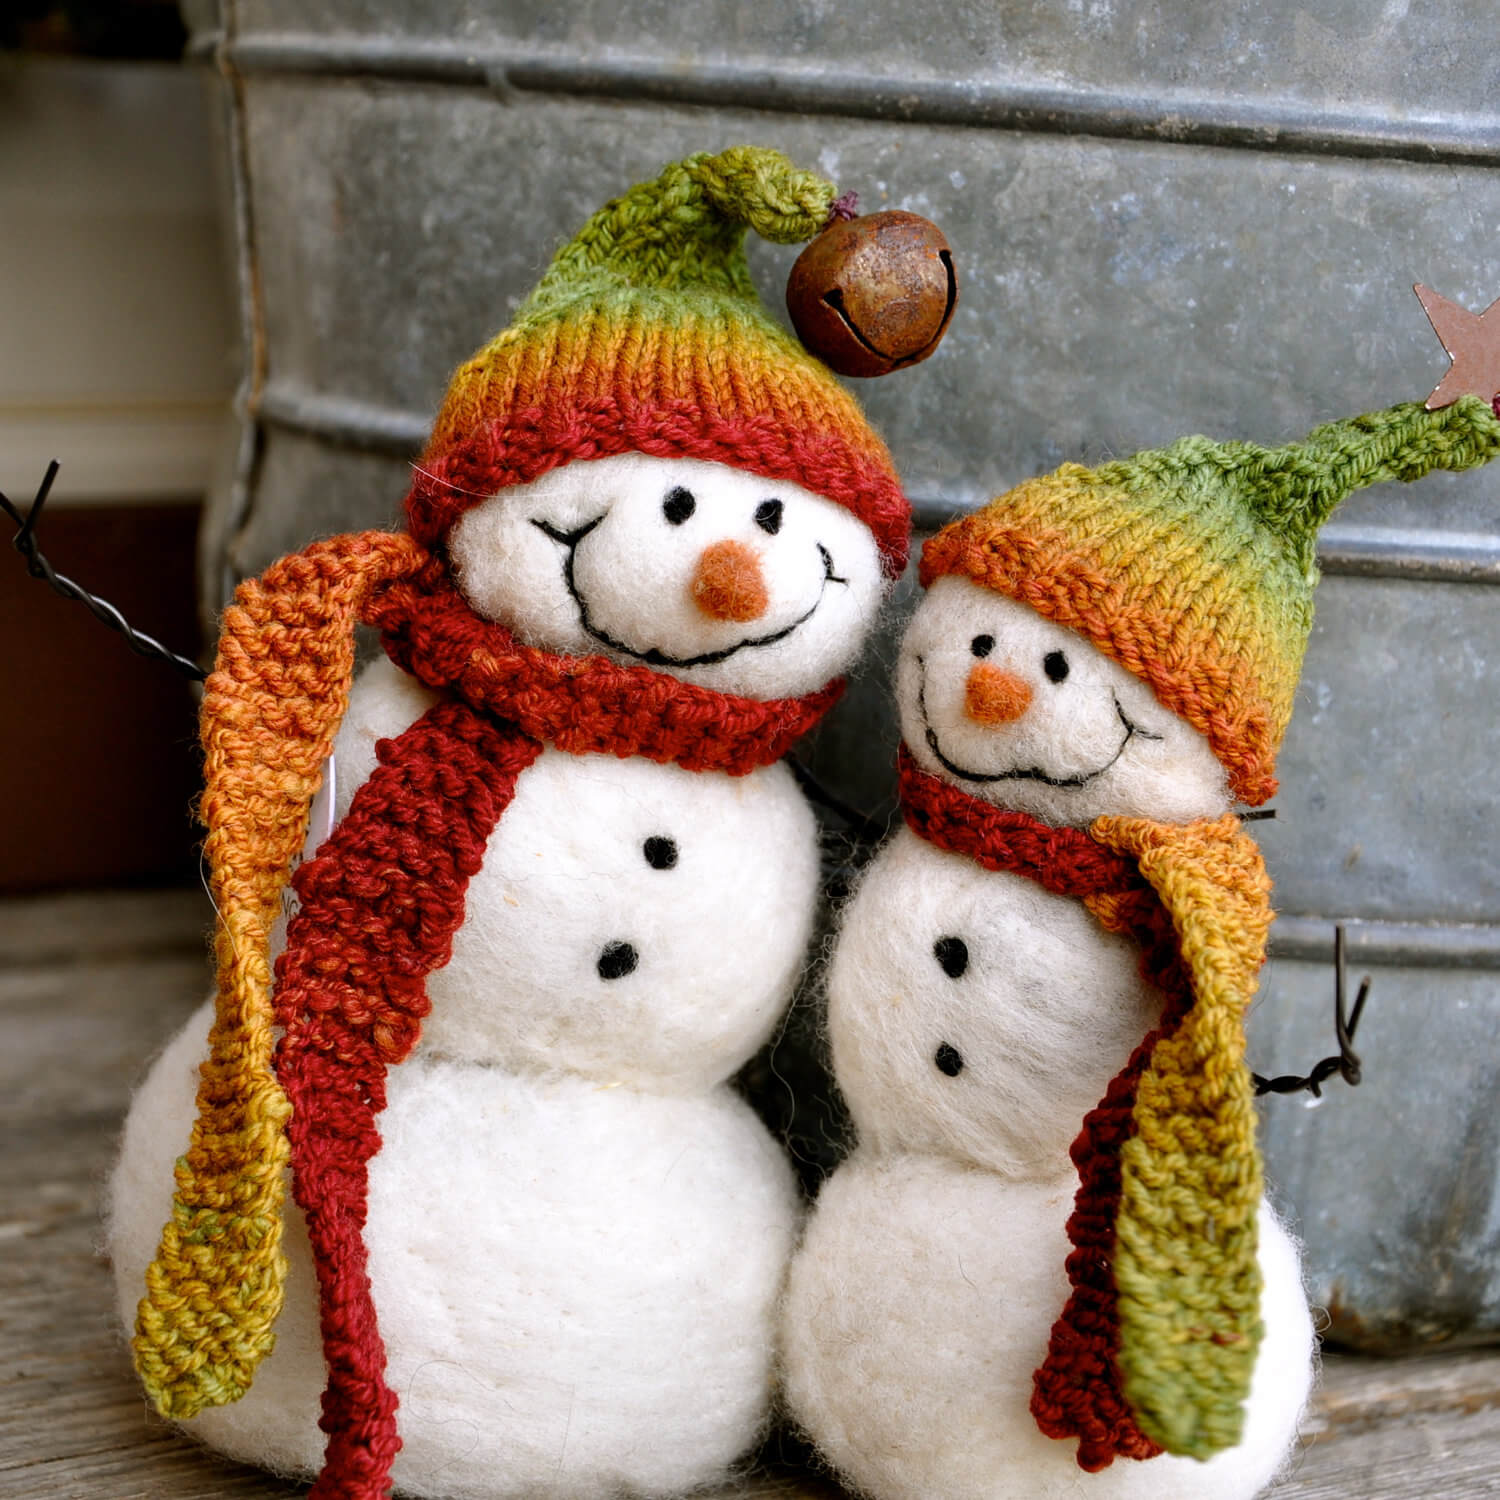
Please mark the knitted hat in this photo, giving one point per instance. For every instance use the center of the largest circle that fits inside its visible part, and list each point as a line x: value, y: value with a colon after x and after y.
x: 1194, y: 566
x: 646, y: 336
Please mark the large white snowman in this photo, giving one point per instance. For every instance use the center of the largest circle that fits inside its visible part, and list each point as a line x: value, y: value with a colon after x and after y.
x: 577, y: 1231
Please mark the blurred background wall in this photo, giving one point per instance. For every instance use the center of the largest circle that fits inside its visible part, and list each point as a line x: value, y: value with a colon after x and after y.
x: 116, y: 358
x: 1167, y: 218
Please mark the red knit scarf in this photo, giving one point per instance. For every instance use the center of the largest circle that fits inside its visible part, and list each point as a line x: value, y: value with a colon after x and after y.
x: 384, y: 896
x: 1077, y: 1390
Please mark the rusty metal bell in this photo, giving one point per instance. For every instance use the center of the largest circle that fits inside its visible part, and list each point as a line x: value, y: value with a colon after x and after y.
x: 873, y: 294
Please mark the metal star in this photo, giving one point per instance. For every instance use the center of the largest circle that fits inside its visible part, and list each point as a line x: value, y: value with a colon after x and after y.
x: 1473, y: 344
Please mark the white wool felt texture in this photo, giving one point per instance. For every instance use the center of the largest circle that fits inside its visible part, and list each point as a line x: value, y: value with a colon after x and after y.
x: 719, y: 934
x: 576, y: 1285
x: 920, y: 1303
x: 1046, y: 1010
x: 1095, y: 742
x: 613, y: 573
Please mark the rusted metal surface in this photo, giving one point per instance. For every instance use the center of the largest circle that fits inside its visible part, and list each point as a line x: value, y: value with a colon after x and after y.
x: 1472, y: 341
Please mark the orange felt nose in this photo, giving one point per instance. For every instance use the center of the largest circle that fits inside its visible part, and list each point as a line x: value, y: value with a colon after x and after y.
x: 728, y: 583
x: 995, y: 696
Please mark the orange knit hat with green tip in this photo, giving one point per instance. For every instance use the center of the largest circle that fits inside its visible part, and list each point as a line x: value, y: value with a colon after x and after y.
x: 1194, y: 566
x: 646, y: 336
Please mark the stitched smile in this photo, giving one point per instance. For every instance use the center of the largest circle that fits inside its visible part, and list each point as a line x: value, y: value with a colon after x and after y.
x: 1030, y: 773
x: 569, y: 541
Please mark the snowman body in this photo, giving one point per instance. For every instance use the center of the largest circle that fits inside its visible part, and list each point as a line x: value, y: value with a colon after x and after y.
x: 974, y: 1019
x: 577, y: 1232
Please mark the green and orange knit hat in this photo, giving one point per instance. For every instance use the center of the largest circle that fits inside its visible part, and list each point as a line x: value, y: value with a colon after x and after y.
x: 646, y: 336
x: 1194, y: 566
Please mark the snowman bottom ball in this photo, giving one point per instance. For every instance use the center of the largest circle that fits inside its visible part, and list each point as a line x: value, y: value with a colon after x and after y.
x: 576, y: 1289
x: 918, y: 1308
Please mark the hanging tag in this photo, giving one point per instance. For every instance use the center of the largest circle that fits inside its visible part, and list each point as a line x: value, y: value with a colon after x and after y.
x: 322, y: 817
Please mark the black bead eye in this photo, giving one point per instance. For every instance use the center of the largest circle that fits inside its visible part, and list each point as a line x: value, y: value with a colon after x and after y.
x: 617, y: 960
x: 679, y: 505
x: 949, y: 1060
x: 768, y: 516
x: 982, y: 645
x: 661, y: 853
x: 1055, y: 665
x: 952, y: 953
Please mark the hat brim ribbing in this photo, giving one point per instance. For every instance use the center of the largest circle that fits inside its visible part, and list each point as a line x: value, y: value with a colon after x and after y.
x: 662, y: 376
x: 1198, y: 642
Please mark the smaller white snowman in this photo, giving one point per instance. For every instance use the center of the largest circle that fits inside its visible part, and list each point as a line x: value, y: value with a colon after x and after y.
x: 541, y: 1239
x: 1046, y: 1269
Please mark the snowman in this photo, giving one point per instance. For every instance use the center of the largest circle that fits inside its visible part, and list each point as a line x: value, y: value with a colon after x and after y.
x: 1047, y: 1269
x: 540, y: 1239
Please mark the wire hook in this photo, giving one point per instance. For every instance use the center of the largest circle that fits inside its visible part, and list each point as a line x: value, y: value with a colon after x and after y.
x: 1345, y: 1024
x: 24, y: 541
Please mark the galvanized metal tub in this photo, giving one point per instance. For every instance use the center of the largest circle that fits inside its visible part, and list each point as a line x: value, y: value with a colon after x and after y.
x: 1168, y: 219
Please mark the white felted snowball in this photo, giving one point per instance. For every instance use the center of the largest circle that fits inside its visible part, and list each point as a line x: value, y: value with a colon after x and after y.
x: 920, y: 1304
x: 600, y: 556
x: 1092, y: 740
x: 576, y: 1285
x: 700, y: 887
x: 977, y: 1015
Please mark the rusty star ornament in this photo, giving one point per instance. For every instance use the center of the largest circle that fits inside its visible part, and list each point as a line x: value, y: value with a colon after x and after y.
x: 1473, y: 344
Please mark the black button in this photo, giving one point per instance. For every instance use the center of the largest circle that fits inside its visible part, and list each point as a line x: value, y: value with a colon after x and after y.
x: 661, y: 853
x: 617, y: 960
x: 948, y: 1060
x: 953, y: 954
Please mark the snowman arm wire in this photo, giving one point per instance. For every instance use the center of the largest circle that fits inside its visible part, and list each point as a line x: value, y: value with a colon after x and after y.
x: 1345, y: 1024
x: 24, y: 541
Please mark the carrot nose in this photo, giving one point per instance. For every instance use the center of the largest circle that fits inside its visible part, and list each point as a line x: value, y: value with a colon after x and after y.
x: 995, y: 696
x: 728, y: 583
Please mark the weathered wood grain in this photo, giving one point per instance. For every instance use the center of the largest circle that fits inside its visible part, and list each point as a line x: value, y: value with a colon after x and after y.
x: 1359, y: 1394
x: 90, y: 987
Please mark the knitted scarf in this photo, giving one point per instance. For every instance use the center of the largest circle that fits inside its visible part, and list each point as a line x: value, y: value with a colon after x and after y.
x: 379, y: 905
x: 1156, y: 1345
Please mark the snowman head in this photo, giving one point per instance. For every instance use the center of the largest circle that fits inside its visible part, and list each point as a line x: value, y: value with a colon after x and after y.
x: 645, y: 466
x: 724, y: 578
x: 1018, y: 710
x: 1096, y: 639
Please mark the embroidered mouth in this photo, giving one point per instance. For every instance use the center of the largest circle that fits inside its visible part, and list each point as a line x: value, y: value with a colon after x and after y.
x: 1028, y: 773
x: 654, y: 657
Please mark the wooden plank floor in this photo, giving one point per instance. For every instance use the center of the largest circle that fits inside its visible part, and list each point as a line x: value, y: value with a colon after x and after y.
x: 91, y: 985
